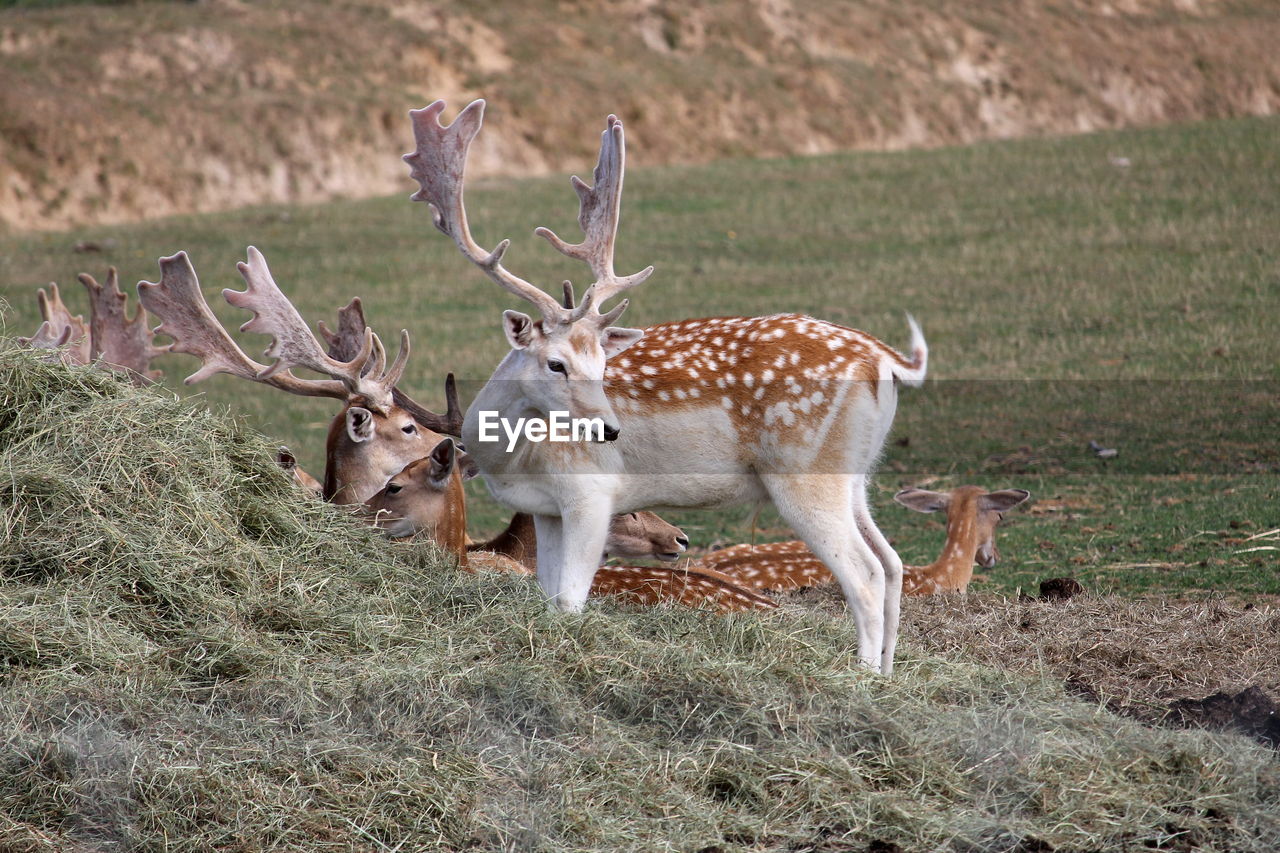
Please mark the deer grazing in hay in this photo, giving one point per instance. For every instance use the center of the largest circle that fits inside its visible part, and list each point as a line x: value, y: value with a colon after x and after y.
x: 427, y: 498
x: 111, y: 338
x: 378, y: 431
x: 972, y: 517
x: 289, y: 464
x: 699, y: 413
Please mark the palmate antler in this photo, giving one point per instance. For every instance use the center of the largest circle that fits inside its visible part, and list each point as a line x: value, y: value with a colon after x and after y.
x: 116, y: 339
x: 60, y: 329
x: 439, y: 165
x: 185, y: 317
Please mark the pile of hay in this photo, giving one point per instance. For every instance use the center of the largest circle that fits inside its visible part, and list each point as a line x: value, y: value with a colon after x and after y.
x: 194, y: 656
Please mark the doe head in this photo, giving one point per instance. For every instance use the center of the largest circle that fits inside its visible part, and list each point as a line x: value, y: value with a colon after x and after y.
x: 971, y: 512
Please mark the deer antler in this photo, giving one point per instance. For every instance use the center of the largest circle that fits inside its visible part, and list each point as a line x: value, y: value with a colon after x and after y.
x: 122, y: 343
x: 293, y: 344
x: 186, y: 318
x: 439, y: 165
x: 64, y: 328
x: 345, y: 343
x: 599, y: 207
x: 49, y: 338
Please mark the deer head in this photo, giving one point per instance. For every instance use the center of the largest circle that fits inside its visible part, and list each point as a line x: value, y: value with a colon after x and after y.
x: 426, y: 497
x: 640, y: 535
x: 556, y: 362
x: 289, y: 464
x: 972, y: 516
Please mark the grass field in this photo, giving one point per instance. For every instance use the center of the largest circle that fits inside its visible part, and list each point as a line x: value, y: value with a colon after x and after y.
x: 1066, y: 299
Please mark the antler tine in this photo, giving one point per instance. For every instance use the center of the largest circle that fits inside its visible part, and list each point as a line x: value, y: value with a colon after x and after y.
x: 55, y: 312
x: 439, y: 165
x: 293, y: 344
x: 377, y: 360
x: 449, y: 424
x: 177, y: 301
x: 392, y: 376
x: 598, y: 215
x: 120, y: 342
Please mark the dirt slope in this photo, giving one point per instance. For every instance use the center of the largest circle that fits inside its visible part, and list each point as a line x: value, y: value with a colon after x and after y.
x: 115, y: 113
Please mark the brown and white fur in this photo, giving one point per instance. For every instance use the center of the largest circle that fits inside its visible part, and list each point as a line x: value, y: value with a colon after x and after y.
x: 427, y: 498
x: 972, y: 517
x: 701, y: 413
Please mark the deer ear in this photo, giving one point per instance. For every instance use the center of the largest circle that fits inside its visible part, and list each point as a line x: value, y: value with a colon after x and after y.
x: 922, y: 500
x: 443, y: 457
x: 359, y: 424
x: 470, y: 470
x: 518, y: 328
x: 615, y: 339
x: 1003, y: 501
x: 285, y: 458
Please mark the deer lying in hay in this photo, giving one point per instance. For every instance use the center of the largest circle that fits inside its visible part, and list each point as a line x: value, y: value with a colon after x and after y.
x: 427, y: 498
x: 724, y: 393
x: 972, y: 517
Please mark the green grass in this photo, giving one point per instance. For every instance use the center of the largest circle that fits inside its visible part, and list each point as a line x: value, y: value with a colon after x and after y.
x: 194, y: 656
x: 1065, y: 299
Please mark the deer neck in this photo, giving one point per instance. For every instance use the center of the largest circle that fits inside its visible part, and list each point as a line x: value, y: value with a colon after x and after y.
x: 953, y: 569
x: 451, y: 532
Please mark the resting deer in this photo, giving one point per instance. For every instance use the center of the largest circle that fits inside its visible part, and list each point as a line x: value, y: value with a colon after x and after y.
x: 289, y: 464
x: 378, y: 431
x: 427, y: 498
x: 700, y: 413
x: 111, y: 338
x: 972, y: 516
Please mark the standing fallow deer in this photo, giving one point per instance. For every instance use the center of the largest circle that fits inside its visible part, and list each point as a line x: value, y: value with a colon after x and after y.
x: 700, y: 413
x: 427, y: 498
x: 972, y: 516
x: 111, y: 338
x: 378, y: 432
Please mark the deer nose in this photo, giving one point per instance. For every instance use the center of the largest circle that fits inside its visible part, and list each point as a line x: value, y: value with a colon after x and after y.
x: 683, y: 543
x: 610, y: 433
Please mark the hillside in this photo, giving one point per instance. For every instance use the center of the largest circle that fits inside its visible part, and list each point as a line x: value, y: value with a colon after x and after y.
x: 113, y: 113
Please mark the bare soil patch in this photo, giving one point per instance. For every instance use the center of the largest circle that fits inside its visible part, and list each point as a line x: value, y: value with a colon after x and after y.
x: 1192, y: 664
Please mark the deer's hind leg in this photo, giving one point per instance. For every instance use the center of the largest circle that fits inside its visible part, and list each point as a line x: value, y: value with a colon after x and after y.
x: 820, y: 508
x: 890, y: 563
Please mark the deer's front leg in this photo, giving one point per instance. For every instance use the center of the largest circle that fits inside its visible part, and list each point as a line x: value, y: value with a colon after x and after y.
x: 570, y: 562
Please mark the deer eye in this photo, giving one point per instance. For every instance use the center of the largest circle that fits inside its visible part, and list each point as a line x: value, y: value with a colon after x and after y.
x: 555, y: 365
x: 409, y: 429
x: 394, y: 488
